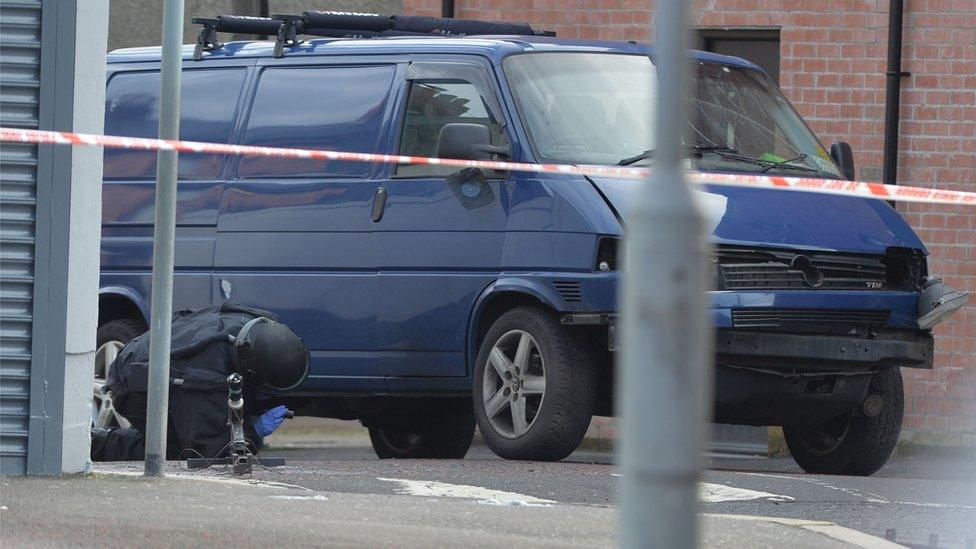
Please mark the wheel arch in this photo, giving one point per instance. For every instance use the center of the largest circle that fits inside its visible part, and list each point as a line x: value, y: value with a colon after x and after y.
x: 117, y: 302
x: 503, y: 295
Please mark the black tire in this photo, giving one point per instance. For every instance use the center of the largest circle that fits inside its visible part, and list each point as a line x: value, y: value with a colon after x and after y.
x: 444, y: 433
x: 123, y: 330
x: 856, y: 443
x: 560, y: 418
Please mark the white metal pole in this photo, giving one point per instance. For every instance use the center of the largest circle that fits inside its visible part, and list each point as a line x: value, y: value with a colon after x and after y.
x: 164, y: 237
x: 664, y: 386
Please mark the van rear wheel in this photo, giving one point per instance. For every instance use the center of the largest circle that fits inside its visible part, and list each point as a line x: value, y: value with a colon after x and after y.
x: 858, y: 443
x: 110, y: 338
x: 534, y: 386
x: 444, y: 432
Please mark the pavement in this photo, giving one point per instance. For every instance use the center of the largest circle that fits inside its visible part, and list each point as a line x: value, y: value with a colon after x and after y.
x: 334, y: 492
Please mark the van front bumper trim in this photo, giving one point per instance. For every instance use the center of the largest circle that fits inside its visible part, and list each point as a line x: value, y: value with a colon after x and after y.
x: 910, y: 349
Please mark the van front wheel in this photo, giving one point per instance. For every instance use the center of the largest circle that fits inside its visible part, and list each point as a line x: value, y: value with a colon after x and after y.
x: 534, y: 386
x: 858, y: 443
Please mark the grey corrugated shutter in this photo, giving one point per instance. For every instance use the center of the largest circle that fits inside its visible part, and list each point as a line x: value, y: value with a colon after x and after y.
x: 20, y: 62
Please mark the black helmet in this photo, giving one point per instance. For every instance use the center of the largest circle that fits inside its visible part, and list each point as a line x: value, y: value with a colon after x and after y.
x: 269, y: 354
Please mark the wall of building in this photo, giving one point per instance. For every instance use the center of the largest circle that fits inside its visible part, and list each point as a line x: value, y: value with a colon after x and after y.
x: 833, y: 59
x: 53, y: 79
x: 133, y: 23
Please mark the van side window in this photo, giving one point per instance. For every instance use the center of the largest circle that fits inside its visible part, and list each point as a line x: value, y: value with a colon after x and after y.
x: 433, y: 104
x: 208, y: 104
x: 332, y: 108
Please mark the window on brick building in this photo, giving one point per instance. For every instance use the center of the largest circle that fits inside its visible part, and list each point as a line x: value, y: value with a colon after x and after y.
x: 761, y: 46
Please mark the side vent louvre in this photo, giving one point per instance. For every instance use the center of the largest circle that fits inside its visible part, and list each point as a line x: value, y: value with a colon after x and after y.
x: 570, y: 291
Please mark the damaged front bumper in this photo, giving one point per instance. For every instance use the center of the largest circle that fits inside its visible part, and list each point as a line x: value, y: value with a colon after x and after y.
x: 905, y: 348
x: 796, y: 379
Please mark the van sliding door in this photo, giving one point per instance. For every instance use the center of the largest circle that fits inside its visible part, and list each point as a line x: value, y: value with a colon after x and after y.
x: 294, y: 236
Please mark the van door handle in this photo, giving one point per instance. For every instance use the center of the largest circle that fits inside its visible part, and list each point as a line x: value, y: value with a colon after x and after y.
x: 379, y: 203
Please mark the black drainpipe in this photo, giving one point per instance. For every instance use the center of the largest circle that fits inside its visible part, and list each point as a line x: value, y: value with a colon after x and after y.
x: 893, y: 92
x: 447, y: 8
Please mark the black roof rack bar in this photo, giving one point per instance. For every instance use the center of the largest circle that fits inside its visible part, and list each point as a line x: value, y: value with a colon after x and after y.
x: 285, y: 28
x: 339, y: 24
x: 371, y: 24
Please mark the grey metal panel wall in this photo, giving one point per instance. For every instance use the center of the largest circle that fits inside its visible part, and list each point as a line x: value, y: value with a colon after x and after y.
x: 20, y: 61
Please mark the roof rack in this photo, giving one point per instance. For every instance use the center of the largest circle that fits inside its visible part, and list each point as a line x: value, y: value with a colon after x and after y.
x: 339, y: 24
x: 283, y: 27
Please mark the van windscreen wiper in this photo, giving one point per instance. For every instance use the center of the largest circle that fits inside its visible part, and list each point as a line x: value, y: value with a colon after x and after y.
x: 728, y: 152
x: 733, y: 154
x: 788, y: 164
x: 649, y: 153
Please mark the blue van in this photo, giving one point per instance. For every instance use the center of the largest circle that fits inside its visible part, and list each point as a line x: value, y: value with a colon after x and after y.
x: 433, y: 299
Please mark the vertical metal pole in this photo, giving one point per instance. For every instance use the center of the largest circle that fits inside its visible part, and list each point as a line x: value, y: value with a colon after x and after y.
x: 164, y: 237
x: 893, y: 78
x: 664, y: 385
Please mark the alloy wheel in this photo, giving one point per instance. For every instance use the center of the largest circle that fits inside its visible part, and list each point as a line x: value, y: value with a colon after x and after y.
x: 103, y: 411
x: 514, y: 384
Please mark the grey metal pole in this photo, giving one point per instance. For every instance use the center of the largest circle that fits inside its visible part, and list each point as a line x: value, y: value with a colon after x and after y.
x: 664, y: 384
x: 164, y: 237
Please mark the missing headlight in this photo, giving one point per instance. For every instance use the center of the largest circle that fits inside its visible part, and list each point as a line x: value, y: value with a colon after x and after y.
x: 905, y: 269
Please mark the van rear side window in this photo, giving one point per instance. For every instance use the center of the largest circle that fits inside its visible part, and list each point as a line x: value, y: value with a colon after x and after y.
x: 335, y: 108
x: 208, y: 105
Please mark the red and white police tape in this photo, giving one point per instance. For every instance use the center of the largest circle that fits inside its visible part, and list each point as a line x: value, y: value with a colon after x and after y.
x: 881, y: 191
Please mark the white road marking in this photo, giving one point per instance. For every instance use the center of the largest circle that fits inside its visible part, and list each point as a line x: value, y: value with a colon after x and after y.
x: 316, y: 497
x: 184, y: 475
x: 431, y: 488
x: 716, y: 493
x: 867, y: 496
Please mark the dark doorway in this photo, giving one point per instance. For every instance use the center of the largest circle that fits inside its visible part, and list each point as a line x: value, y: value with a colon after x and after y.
x: 761, y: 46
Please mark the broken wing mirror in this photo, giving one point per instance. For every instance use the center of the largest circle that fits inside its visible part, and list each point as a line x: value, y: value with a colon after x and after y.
x: 843, y: 156
x: 468, y: 142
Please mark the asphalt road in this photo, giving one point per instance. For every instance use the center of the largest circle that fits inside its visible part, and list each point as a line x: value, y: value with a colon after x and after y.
x: 912, y: 498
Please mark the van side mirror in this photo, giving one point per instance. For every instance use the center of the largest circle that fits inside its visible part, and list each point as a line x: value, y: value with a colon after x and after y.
x: 843, y: 156
x: 467, y: 142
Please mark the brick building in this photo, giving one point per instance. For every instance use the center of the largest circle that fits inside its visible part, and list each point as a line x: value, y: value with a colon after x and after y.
x: 133, y: 24
x: 831, y: 61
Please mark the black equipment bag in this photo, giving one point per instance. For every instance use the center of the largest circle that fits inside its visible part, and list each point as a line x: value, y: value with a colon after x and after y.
x: 201, y: 358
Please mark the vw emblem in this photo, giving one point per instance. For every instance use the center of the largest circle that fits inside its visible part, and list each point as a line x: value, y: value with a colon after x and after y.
x: 811, y: 274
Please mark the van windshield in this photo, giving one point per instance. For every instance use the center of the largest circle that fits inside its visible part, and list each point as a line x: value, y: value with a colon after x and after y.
x: 597, y: 108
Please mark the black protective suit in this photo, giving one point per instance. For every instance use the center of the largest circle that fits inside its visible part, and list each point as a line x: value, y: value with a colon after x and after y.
x: 202, y: 356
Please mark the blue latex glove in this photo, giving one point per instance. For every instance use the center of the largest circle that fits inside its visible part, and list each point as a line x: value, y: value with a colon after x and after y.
x: 267, y: 422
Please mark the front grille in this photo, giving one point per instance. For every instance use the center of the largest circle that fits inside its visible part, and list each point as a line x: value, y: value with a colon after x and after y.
x: 795, y: 318
x: 742, y: 268
x: 570, y: 291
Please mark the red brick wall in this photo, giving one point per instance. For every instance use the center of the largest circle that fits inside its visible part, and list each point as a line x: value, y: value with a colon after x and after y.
x: 833, y: 57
